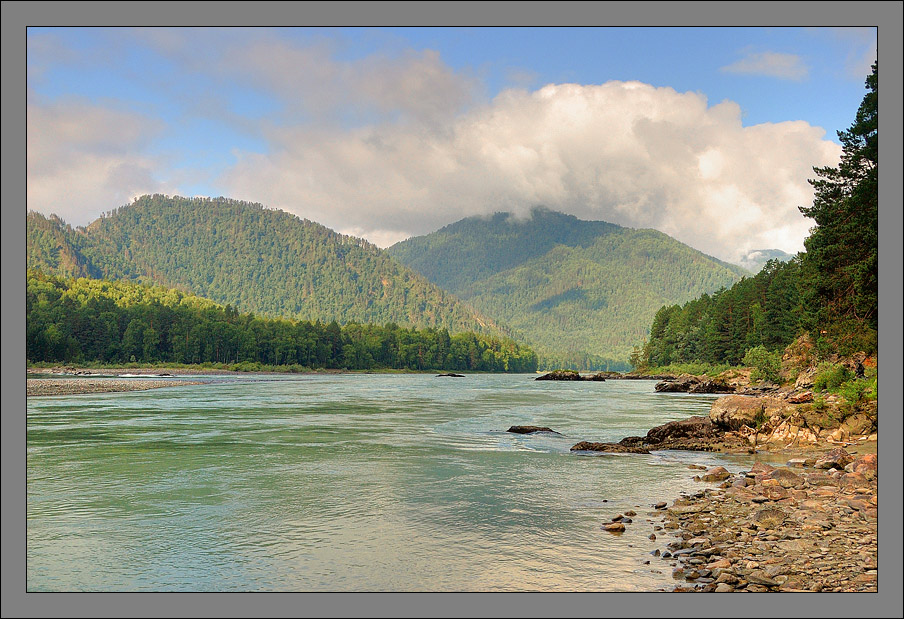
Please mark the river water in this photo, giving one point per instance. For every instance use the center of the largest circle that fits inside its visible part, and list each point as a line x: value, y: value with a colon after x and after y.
x: 350, y: 482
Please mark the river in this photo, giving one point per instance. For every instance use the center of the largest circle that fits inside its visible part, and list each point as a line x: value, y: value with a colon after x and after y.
x: 350, y: 482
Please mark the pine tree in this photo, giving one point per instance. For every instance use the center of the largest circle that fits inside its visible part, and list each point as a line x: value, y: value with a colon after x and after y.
x: 842, y: 260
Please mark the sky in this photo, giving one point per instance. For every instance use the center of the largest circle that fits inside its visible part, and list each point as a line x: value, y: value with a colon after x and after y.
x: 707, y: 134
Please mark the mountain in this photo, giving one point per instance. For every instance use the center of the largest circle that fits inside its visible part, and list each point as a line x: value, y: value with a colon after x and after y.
x: 754, y: 260
x: 257, y: 259
x: 578, y: 291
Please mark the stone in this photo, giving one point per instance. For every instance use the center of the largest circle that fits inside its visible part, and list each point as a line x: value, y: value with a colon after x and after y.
x: 867, y: 465
x: 734, y: 412
x: 723, y: 588
x: 786, y: 477
x: 836, y: 459
x: 614, y: 527
x: 531, y: 430
x: 800, y: 398
x: 718, y: 473
x: 770, y: 518
x: 561, y: 375
x: 761, y: 577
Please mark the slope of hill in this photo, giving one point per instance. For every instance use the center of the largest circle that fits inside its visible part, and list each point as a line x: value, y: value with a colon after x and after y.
x: 576, y: 290
x: 257, y: 259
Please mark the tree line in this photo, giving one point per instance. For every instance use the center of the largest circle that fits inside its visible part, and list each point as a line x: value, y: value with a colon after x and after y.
x: 829, y: 291
x: 91, y: 320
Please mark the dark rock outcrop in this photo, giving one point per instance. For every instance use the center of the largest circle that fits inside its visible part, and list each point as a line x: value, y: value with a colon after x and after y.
x: 561, y: 375
x: 571, y: 375
x: 531, y: 430
x: 609, y: 448
x: 688, y: 383
x: 450, y: 374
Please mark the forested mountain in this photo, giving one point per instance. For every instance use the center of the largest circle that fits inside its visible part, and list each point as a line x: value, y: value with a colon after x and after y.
x: 830, y: 291
x: 78, y: 320
x: 257, y: 259
x: 581, y: 292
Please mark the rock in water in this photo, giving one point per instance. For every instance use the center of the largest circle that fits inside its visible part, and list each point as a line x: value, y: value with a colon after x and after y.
x: 561, y: 375
x: 719, y: 473
x: 531, y: 430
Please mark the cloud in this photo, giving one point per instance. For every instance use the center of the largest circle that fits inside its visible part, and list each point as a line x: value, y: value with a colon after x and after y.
x: 624, y: 152
x: 84, y: 159
x: 771, y: 64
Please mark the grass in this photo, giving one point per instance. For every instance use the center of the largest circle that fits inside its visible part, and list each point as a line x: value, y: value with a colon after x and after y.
x: 696, y: 368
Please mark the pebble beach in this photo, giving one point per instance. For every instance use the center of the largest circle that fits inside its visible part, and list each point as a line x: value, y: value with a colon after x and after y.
x: 74, y: 386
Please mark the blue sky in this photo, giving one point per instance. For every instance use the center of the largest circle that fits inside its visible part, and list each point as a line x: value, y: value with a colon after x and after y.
x: 390, y: 132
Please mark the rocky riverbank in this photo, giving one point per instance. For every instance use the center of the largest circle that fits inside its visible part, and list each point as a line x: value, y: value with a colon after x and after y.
x: 775, y: 529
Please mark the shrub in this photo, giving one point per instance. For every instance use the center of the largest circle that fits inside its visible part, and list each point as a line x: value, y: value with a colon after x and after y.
x: 830, y: 376
x: 766, y: 365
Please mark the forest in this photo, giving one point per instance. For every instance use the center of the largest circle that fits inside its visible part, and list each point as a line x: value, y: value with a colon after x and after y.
x: 829, y: 291
x: 256, y: 259
x: 90, y: 320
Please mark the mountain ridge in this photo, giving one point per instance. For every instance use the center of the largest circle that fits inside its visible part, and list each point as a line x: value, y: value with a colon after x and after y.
x: 572, y: 288
x: 258, y: 259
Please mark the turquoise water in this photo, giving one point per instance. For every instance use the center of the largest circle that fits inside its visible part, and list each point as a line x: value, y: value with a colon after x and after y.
x: 349, y: 482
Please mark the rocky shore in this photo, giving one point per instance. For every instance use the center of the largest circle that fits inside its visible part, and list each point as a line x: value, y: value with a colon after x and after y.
x: 810, y: 525
x: 775, y: 529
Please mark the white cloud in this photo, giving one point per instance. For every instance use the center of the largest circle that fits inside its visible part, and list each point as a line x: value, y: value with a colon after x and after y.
x: 772, y: 64
x: 84, y: 159
x: 623, y: 152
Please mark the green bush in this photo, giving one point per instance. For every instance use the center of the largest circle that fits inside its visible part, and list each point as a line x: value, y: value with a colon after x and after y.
x: 766, y: 365
x: 830, y: 376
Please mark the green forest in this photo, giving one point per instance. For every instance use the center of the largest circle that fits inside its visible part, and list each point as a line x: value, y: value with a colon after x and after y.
x: 580, y: 292
x: 89, y: 320
x: 256, y: 259
x: 829, y: 291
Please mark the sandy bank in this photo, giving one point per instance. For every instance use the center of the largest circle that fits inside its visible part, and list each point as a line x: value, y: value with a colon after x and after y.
x: 65, y: 386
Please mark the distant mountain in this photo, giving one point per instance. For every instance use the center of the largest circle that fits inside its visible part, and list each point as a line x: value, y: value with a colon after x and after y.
x: 754, y: 260
x: 256, y: 259
x: 581, y: 292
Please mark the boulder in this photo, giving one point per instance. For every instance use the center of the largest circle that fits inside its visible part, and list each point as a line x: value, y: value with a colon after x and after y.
x: 693, y: 427
x: 719, y: 473
x: 614, y: 527
x: 682, y: 384
x: 801, y: 398
x: 733, y: 412
x: 835, y: 459
x: 451, y: 375
x: 531, y: 430
x: 711, y: 386
x: 867, y: 465
x: 561, y: 375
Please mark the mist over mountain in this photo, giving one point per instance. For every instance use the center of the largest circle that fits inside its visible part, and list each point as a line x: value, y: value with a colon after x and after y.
x: 581, y: 292
x: 754, y: 260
